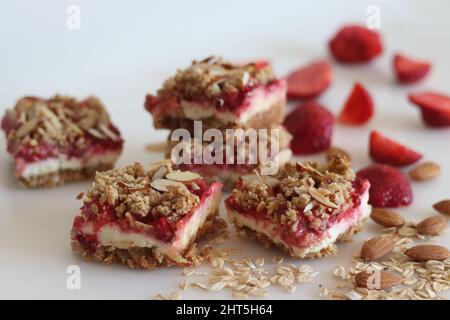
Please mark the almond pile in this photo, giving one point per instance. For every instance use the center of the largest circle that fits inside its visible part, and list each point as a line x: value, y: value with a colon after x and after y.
x: 391, y: 267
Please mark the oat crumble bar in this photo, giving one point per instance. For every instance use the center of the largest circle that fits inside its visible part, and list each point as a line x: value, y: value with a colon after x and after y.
x: 60, y: 140
x: 305, y: 208
x: 221, y: 94
x: 146, y: 217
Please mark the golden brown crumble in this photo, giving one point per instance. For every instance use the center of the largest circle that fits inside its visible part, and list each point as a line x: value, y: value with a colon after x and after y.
x: 319, y: 191
x: 134, y: 190
x: 58, y: 121
x: 212, y: 77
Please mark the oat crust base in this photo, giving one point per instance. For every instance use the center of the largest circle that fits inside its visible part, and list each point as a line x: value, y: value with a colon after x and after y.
x: 149, y: 258
x: 61, y: 177
x: 327, y: 251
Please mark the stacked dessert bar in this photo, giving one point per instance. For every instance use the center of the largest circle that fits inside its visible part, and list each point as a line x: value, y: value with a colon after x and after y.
x: 223, y: 96
x: 60, y: 140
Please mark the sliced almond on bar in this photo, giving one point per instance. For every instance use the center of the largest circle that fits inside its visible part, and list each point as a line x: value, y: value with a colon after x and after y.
x: 182, y: 176
x: 27, y: 127
x: 156, y: 165
x: 108, y: 132
x: 159, y: 173
x: 321, y: 198
x: 164, y: 184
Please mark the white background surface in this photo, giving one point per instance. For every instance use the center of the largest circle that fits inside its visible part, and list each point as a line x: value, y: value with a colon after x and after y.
x: 127, y: 48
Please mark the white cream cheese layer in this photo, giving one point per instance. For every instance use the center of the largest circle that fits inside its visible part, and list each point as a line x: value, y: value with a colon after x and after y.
x: 53, y: 165
x: 111, y: 235
x: 331, y: 237
x: 260, y: 101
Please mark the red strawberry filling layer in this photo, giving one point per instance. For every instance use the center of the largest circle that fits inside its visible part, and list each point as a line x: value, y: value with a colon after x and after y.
x: 236, y: 102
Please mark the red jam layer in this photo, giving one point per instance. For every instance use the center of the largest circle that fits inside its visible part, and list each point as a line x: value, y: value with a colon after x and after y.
x: 304, y: 236
x: 236, y: 102
x: 94, y: 146
x: 161, y: 228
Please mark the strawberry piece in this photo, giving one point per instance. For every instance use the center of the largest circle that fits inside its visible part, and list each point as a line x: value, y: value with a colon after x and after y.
x: 356, y: 44
x: 311, y: 126
x: 388, y: 186
x: 435, y: 108
x: 409, y: 70
x: 385, y: 150
x: 359, y: 107
x: 309, y: 81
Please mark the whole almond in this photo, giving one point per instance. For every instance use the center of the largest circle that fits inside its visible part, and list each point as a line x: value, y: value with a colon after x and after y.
x: 387, y: 218
x: 425, y: 171
x: 333, y: 152
x: 443, y: 207
x: 425, y: 252
x: 377, y: 280
x: 432, y: 226
x: 377, y: 248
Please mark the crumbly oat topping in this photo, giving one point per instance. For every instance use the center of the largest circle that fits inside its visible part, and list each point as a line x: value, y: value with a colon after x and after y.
x: 57, y: 121
x: 213, y: 77
x: 315, y: 191
x: 137, y: 192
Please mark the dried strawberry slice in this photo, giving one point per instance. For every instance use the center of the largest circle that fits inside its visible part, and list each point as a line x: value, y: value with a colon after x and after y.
x: 435, y: 108
x: 356, y: 44
x: 388, y: 186
x: 309, y: 81
x: 312, y: 128
x: 410, y: 70
x: 386, y: 150
x: 359, y: 107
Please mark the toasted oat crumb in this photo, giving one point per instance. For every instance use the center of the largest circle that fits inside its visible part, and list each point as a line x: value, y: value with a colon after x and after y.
x: 58, y: 122
x: 214, y: 78
x: 131, y: 191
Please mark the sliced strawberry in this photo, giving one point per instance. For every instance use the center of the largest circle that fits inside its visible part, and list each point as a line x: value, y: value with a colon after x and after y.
x: 385, y: 150
x: 356, y: 44
x: 435, y: 108
x: 312, y: 128
x: 409, y: 70
x: 359, y: 107
x: 388, y: 186
x: 309, y: 81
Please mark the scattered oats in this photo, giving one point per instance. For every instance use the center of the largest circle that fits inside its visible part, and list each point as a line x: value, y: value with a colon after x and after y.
x: 277, y: 259
x: 188, y: 271
x: 200, y: 285
x: 324, y: 292
x: 353, y: 295
x: 239, y: 295
x: 173, y: 296
x: 259, y: 261
x: 184, y: 285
